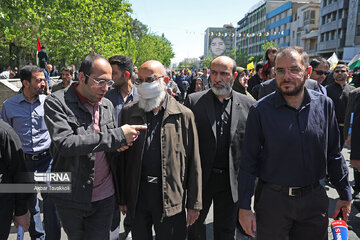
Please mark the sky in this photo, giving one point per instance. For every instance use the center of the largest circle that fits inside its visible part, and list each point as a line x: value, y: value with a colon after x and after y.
x: 184, y: 22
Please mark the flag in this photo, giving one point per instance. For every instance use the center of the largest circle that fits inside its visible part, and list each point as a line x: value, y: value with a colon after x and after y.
x: 250, y: 66
x: 333, y: 61
x: 355, y: 62
x: 38, y: 45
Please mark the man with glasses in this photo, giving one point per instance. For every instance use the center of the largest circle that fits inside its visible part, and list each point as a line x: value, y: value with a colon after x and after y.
x: 162, y: 174
x: 320, y: 69
x: 84, y: 142
x: 291, y: 139
x: 339, y: 92
x: 25, y: 113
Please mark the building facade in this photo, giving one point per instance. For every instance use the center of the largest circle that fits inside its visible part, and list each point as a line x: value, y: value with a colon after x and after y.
x: 305, y: 28
x: 332, y: 30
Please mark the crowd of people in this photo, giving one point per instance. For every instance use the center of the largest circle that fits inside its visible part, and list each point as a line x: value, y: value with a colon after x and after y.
x: 161, y: 147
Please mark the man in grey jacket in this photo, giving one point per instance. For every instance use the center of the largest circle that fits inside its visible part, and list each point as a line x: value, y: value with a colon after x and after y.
x: 84, y: 142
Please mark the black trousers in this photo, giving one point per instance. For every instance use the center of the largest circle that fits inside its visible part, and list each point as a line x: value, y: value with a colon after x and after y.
x: 149, y: 212
x: 218, y: 192
x: 7, y: 202
x: 91, y: 224
x: 280, y: 217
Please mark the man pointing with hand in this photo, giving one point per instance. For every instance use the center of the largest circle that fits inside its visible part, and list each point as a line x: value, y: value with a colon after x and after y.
x: 84, y: 142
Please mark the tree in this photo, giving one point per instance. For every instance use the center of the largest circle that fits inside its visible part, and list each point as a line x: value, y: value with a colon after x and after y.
x: 72, y: 29
x: 206, y: 62
x: 268, y: 44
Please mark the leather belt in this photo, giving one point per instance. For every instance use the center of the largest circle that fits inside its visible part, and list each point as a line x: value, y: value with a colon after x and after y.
x: 292, y: 191
x: 219, y: 171
x: 150, y: 179
x: 37, y: 156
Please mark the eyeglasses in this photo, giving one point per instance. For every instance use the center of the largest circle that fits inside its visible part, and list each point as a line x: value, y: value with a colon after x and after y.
x: 280, y: 72
x: 39, y: 80
x: 342, y: 71
x: 139, y: 81
x: 102, y: 82
x: 320, y: 72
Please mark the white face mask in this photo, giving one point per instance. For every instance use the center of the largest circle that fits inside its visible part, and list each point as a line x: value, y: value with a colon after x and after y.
x: 150, y: 90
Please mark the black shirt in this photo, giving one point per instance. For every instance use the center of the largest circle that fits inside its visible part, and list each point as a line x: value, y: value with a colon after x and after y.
x: 290, y: 147
x: 223, y: 123
x: 355, y: 134
x: 340, y: 97
x: 253, y: 81
x: 151, y: 161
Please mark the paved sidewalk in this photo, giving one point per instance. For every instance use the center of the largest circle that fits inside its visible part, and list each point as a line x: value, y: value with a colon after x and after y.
x: 354, y: 219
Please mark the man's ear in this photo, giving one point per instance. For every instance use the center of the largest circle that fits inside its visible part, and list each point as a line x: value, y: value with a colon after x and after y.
x: 81, y: 77
x: 166, y: 80
x: 127, y: 75
x: 25, y: 83
x: 235, y: 74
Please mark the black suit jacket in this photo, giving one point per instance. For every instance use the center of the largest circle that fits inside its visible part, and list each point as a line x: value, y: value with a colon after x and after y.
x: 202, y: 105
x: 269, y: 86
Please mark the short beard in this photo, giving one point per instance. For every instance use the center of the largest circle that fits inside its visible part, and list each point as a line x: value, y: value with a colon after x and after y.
x: 150, y: 104
x: 296, y: 91
x: 225, y: 90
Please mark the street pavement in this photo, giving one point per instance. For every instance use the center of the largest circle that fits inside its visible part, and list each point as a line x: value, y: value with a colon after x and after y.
x: 354, y: 219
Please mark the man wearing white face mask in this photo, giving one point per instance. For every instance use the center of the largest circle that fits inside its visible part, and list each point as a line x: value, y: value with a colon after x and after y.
x: 162, y: 173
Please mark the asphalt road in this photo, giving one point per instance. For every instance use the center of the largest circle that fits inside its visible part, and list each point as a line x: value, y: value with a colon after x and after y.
x: 354, y: 220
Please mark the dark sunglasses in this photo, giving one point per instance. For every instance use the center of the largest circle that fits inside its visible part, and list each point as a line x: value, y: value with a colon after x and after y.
x: 320, y: 72
x: 342, y: 71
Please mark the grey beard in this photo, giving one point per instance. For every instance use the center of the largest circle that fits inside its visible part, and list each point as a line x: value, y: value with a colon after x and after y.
x: 225, y: 90
x: 149, y: 104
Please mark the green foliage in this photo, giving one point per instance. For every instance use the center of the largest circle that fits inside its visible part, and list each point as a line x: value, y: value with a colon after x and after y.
x: 206, y: 62
x: 186, y: 64
x: 268, y: 44
x: 72, y: 29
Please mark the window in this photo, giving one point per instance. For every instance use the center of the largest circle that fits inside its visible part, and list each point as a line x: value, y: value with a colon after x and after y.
x: 322, y: 37
x: 333, y: 16
x: 340, y: 33
x: 332, y: 35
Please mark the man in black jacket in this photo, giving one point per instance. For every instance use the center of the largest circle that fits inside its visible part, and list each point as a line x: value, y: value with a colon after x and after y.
x: 220, y: 116
x: 11, y: 166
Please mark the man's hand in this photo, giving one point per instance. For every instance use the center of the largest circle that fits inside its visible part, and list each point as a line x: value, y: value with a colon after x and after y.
x: 355, y: 164
x: 131, y: 132
x: 247, y: 221
x: 345, y: 207
x: 348, y: 140
x: 192, y: 216
x: 123, y: 148
x: 123, y: 209
x: 23, y: 221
